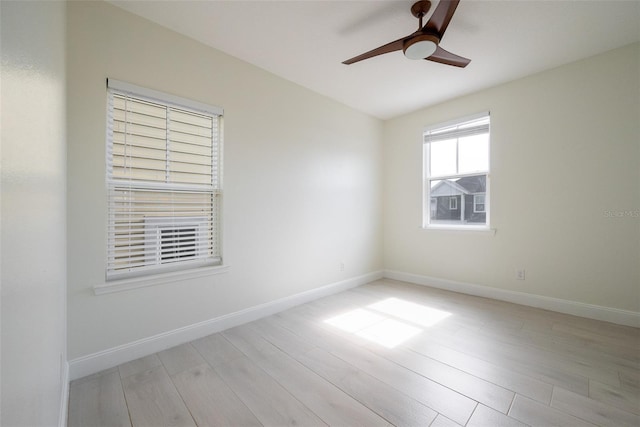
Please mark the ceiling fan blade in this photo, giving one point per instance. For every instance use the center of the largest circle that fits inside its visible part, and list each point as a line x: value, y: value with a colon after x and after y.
x: 439, y: 21
x: 389, y: 47
x: 444, y: 57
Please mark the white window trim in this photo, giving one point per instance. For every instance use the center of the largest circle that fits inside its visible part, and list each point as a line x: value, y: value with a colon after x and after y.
x: 158, y: 279
x: 438, y: 228
x: 426, y: 193
x: 484, y: 203
x: 453, y: 203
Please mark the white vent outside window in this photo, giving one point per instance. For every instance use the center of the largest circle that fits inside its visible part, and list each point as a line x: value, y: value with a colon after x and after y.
x: 176, y: 239
x: 164, y: 182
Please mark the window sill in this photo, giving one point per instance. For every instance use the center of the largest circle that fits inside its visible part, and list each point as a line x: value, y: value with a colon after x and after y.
x: 158, y: 279
x: 472, y: 229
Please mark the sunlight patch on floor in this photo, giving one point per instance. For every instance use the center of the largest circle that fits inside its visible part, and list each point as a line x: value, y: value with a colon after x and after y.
x: 355, y: 320
x: 389, y: 333
x: 385, y: 322
x: 412, y: 312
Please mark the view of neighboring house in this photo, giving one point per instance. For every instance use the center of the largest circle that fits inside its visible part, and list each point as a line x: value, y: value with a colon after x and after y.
x: 460, y: 200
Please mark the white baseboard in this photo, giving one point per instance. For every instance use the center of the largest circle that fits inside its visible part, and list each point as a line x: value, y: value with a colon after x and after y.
x: 64, y: 395
x: 607, y: 314
x: 96, y: 362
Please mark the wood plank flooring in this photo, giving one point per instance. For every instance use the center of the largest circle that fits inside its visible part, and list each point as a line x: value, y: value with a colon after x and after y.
x: 384, y: 354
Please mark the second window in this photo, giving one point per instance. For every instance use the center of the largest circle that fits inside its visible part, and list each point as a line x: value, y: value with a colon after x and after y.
x: 456, y: 174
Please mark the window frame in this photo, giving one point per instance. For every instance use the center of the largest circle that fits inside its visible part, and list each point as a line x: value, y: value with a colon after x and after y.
x: 453, y: 203
x: 167, y: 269
x: 427, y: 178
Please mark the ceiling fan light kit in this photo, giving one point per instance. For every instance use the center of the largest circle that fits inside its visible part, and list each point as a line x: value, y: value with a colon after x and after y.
x: 424, y: 43
x: 420, y: 47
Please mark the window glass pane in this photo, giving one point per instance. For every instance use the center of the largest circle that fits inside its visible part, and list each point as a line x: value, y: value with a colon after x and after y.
x: 473, y: 153
x: 443, y: 157
x: 445, y: 201
x: 453, y: 202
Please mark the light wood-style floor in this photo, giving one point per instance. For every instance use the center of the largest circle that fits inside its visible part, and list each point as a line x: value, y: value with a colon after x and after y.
x: 457, y: 360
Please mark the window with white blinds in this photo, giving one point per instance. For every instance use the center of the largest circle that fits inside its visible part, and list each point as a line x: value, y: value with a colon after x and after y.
x: 164, y: 182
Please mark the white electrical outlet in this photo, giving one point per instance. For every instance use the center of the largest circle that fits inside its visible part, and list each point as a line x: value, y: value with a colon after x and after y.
x: 520, y: 274
x: 342, y: 266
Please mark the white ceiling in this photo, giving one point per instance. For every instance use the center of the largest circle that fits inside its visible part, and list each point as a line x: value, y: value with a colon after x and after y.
x: 305, y: 42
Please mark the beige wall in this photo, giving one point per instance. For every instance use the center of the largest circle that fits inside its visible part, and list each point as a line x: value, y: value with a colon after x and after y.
x: 302, y: 180
x: 565, y: 151
x: 303, y: 176
x: 33, y: 238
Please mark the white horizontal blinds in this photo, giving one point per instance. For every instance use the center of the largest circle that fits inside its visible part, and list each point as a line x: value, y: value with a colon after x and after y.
x: 151, y: 227
x: 164, y: 186
x: 191, y: 139
x: 156, y: 143
x: 475, y: 126
x: 139, y: 140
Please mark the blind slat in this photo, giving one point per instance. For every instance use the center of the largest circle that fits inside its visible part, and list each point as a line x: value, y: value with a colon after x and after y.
x: 143, y: 233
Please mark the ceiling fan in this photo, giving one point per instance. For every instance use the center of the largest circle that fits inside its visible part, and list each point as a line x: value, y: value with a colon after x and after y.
x: 423, y: 44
